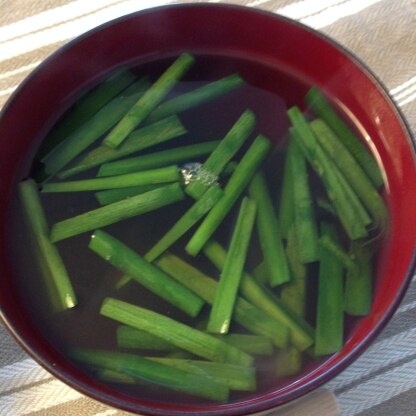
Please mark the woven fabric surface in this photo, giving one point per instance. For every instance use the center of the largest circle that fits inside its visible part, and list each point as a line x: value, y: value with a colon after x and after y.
x: 382, y: 382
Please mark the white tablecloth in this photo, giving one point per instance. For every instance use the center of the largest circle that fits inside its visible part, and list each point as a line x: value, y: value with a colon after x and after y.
x: 380, y: 32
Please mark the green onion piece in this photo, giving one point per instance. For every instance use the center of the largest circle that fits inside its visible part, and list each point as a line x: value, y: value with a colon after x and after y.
x: 352, y: 171
x: 251, y: 344
x: 93, y: 129
x: 329, y: 174
x: 305, y: 223
x: 149, y: 101
x: 158, y: 159
x: 350, y: 202
x: 233, y: 376
x: 237, y: 183
x: 286, y: 209
x: 145, y: 177
x: 226, y: 294
x: 245, y: 314
x: 123, y: 281
x: 361, y: 213
x: 358, y: 283
x: 52, y: 266
x: 179, y: 334
x: 153, y: 372
x: 260, y: 273
x: 223, y: 153
x: 152, y: 278
x: 118, y: 194
x: 85, y: 108
x: 293, y: 296
x: 323, y: 109
x: 288, y: 362
x: 333, y: 247
x: 300, y: 332
x: 128, y: 337
x: 197, y: 97
x: 118, y: 211
x: 188, y: 220
x: 330, y: 305
x: 141, y: 139
x: 268, y: 228
x: 113, y: 376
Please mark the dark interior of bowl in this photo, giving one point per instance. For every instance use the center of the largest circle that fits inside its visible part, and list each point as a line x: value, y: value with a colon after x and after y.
x: 265, y: 50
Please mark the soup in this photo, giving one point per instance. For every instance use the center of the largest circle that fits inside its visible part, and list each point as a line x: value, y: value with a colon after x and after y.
x: 95, y: 279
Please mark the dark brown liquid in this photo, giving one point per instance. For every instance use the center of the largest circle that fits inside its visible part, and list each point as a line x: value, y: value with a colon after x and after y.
x: 268, y: 93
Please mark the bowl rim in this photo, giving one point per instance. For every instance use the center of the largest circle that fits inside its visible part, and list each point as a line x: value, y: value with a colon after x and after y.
x: 358, y: 349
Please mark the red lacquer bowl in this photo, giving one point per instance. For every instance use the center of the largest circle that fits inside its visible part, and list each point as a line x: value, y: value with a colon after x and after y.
x: 284, y: 47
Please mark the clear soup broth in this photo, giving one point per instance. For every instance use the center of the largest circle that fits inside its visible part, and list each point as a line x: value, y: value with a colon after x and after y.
x: 268, y: 93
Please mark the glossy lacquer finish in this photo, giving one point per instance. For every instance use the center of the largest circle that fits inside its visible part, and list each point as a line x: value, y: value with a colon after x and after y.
x: 219, y: 30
